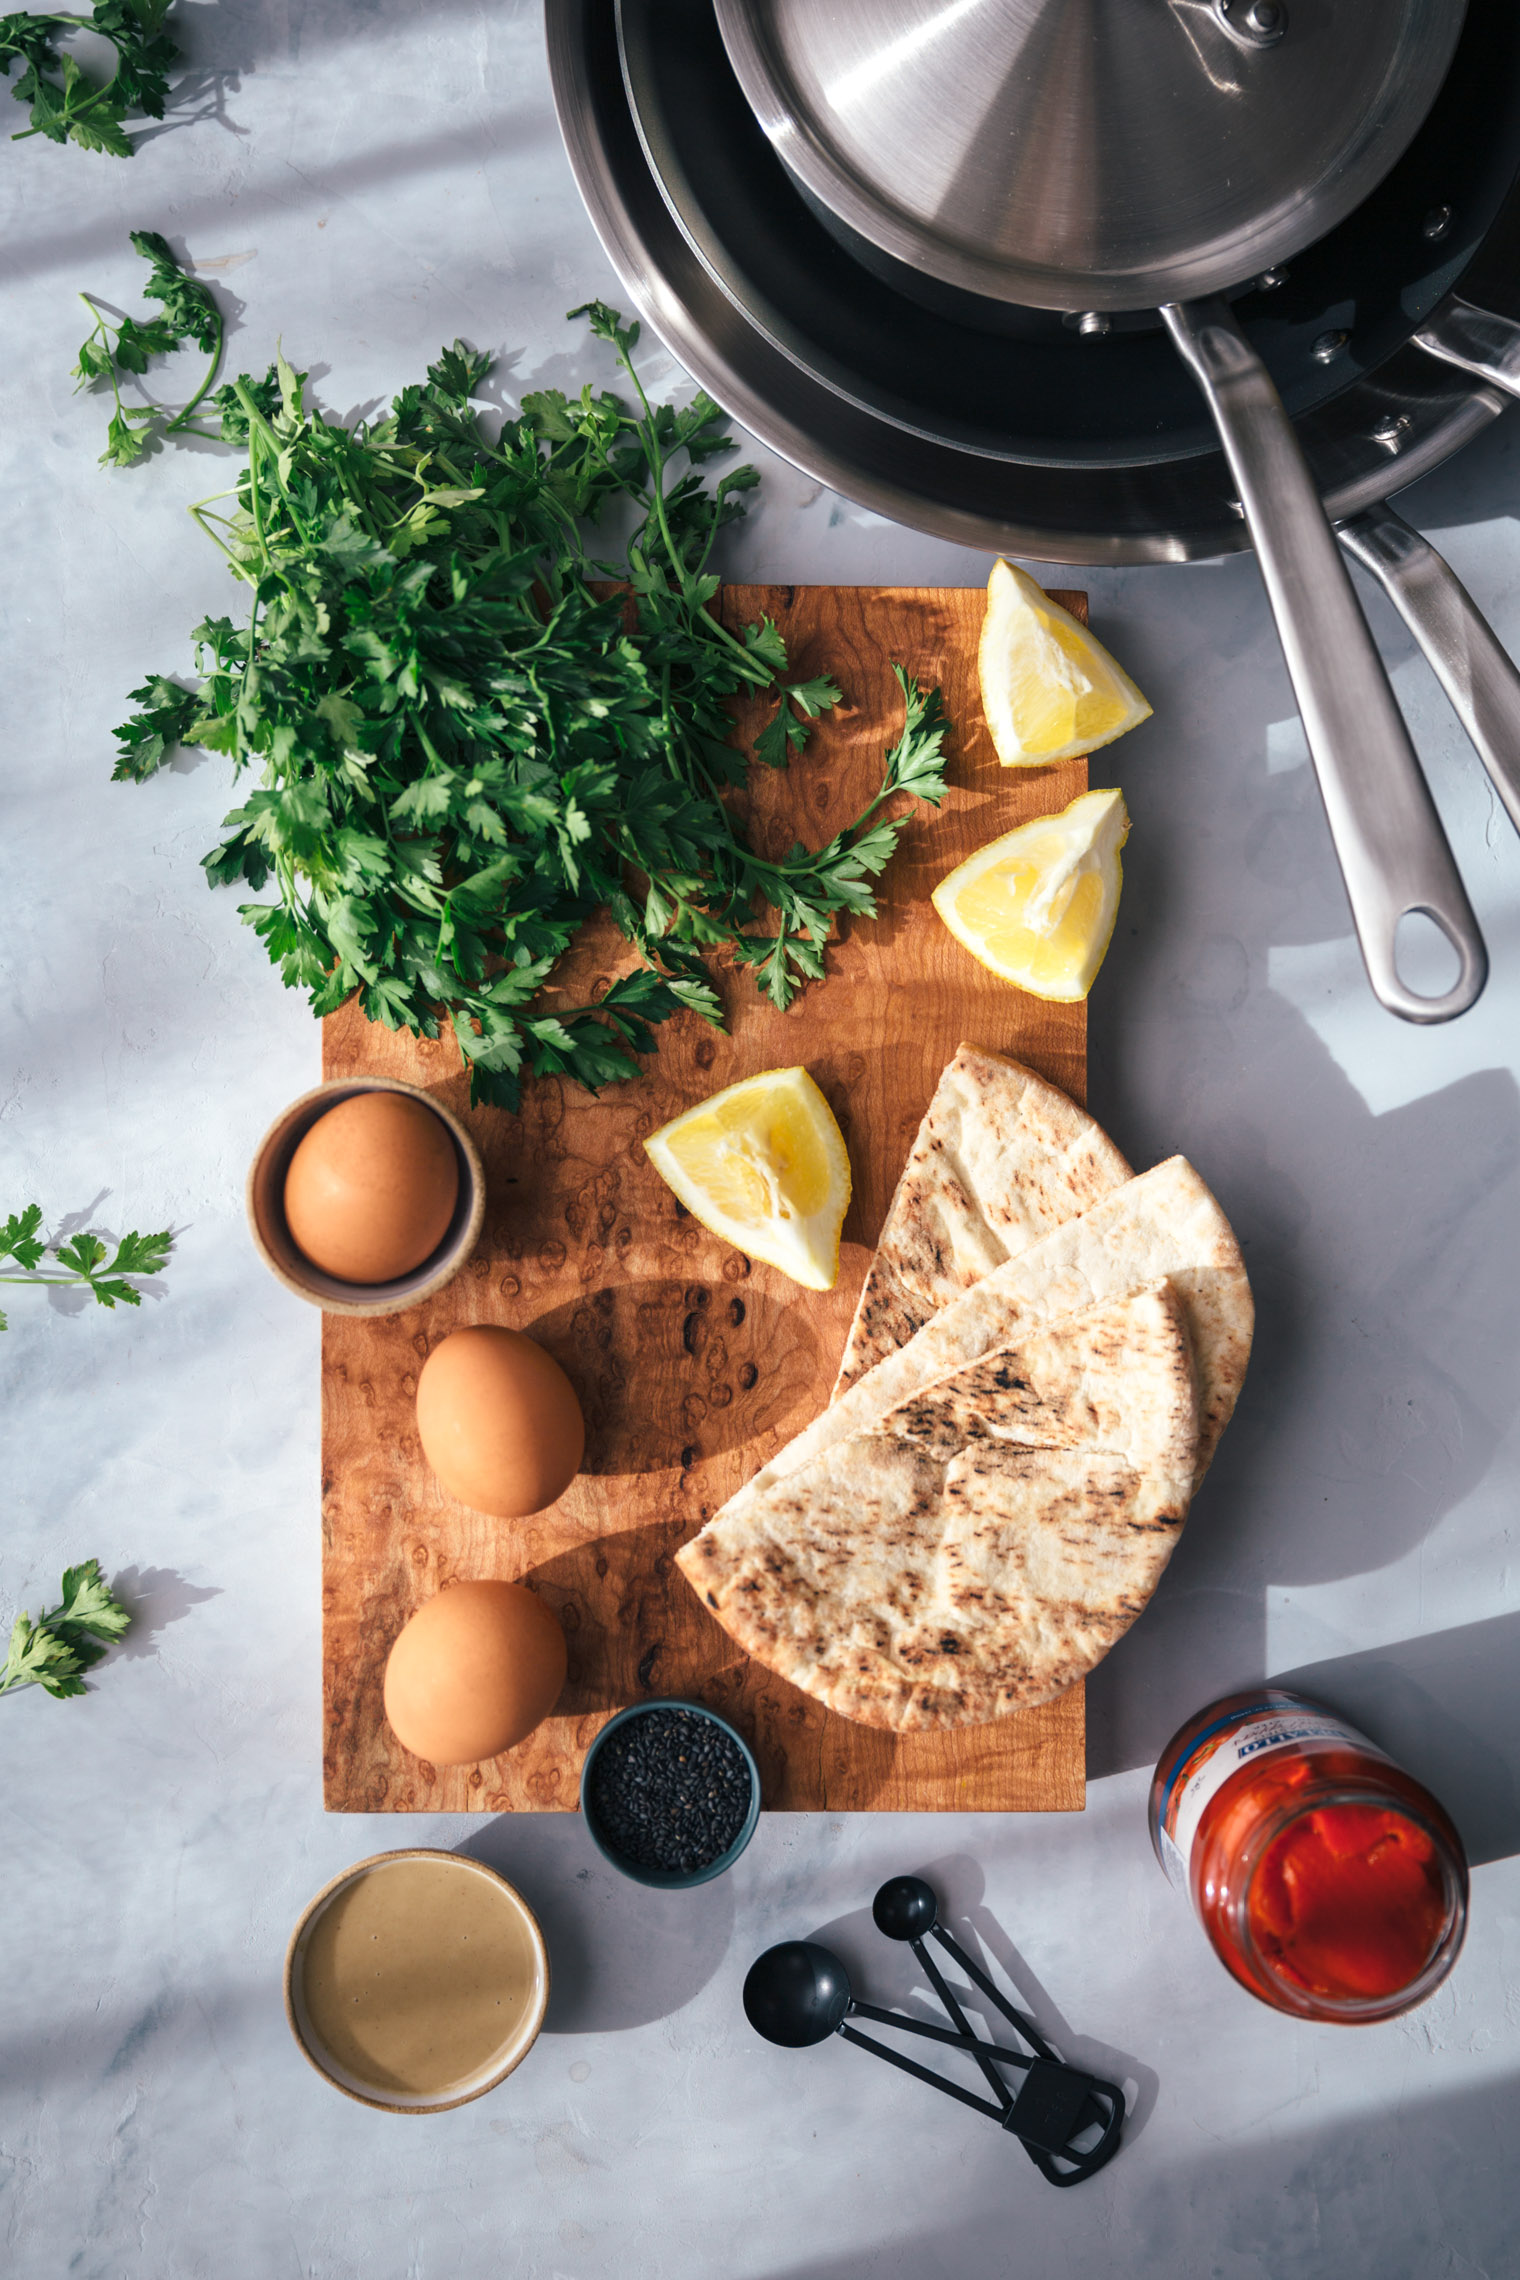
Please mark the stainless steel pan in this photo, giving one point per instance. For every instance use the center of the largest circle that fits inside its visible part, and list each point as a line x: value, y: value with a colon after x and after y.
x: 850, y: 323
x: 1102, y: 157
x: 1392, y: 413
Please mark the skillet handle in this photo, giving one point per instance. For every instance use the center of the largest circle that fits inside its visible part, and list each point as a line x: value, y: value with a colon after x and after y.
x: 1460, y: 646
x: 1475, y: 341
x: 1393, y: 853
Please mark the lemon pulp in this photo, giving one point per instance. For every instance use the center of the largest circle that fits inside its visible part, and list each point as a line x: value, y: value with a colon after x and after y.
x: 1038, y: 905
x: 1050, y: 690
x: 764, y: 1165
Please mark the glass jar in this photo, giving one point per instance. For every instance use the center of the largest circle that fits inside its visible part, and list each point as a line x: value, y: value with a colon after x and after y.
x: 1328, y: 1880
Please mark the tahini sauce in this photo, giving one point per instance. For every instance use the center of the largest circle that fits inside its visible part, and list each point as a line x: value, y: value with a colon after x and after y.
x: 415, y: 1977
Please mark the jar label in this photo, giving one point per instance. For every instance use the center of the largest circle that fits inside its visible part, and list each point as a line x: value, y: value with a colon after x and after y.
x: 1219, y: 1751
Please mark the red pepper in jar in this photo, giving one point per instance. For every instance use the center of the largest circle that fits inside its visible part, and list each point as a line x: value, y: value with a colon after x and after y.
x: 1327, y: 1879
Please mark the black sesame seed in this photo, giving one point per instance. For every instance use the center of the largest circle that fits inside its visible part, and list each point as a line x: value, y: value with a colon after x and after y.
x: 670, y: 1790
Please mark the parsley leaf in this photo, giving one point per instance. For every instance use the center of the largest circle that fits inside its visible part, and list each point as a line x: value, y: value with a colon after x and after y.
x: 801, y: 701
x: 458, y: 730
x: 19, y: 1239
x: 83, y: 1261
x: 128, y: 345
x: 64, y: 105
x: 69, y: 1639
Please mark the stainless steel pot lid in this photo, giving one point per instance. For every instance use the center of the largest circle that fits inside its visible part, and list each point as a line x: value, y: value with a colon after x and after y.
x: 1090, y: 154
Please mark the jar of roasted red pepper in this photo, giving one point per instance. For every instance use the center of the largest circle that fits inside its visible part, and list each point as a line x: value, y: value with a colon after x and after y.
x: 1328, y: 1880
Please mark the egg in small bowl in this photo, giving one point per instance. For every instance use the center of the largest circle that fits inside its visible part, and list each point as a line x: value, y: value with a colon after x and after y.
x: 366, y: 1196
x: 372, y: 1187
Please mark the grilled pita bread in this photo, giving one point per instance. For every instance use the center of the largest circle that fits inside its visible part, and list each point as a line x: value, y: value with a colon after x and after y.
x: 982, y: 1544
x: 1001, y: 1158
x: 1162, y: 1224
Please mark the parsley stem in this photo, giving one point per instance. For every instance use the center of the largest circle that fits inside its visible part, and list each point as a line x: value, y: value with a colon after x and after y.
x: 37, y: 1276
x: 255, y: 502
x: 176, y: 426
x: 685, y: 578
x: 196, y: 516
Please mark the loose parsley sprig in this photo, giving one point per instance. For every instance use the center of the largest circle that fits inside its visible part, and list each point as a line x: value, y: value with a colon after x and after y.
x: 461, y: 741
x: 56, y: 1650
x: 114, y: 348
x: 64, y: 105
x: 916, y: 763
x: 83, y: 1262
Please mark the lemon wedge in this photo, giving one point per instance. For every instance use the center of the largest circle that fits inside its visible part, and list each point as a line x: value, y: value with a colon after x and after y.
x: 1049, y: 690
x: 1038, y: 905
x: 763, y: 1164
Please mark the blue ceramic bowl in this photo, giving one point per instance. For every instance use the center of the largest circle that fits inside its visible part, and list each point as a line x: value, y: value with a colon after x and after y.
x: 669, y: 1879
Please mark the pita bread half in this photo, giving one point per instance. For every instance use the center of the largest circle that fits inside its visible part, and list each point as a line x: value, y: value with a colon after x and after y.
x: 1001, y: 1158
x: 1117, y: 1377
x: 980, y: 1547
x: 1162, y: 1224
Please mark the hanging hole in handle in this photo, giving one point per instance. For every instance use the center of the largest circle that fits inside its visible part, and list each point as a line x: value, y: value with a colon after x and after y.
x: 1425, y: 958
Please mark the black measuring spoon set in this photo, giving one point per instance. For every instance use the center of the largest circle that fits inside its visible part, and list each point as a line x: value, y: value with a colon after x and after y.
x: 799, y: 1993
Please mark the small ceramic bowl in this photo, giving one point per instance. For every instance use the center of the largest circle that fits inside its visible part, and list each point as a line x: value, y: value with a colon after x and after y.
x: 277, y: 1248
x: 669, y: 1879
x: 344, y: 1918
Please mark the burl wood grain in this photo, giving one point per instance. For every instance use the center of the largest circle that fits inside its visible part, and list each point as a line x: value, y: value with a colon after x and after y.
x: 693, y: 1364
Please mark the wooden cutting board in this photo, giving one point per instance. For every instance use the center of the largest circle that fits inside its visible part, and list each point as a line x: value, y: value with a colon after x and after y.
x: 692, y: 1363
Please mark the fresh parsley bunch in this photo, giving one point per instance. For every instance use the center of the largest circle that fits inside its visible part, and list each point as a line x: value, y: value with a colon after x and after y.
x: 83, y: 1262
x: 56, y: 1650
x: 460, y: 743
x: 64, y: 106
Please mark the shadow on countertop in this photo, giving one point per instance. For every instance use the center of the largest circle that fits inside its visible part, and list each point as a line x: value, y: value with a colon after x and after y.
x: 219, y: 46
x: 1381, y: 1241
x: 623, y: 1953
x: 1421, y: 2190
x: 154, y: 1597
x: 1381, y: 1386
x: 1447, y: 1708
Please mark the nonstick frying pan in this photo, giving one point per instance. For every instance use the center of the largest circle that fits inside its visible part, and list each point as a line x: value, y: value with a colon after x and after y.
x: 1101, y: 157
x: 1384, y: 415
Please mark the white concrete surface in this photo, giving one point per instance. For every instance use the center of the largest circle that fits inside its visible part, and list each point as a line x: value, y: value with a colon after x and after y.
x: 369, y: 178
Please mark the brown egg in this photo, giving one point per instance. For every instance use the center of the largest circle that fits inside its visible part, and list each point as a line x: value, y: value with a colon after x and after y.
x: 474, y: 1672
x: 499, y: 1422
x: 372, y: 1187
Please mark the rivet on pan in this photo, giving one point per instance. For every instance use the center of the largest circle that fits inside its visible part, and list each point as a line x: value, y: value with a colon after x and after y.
x: 1266, y: 19
x: 1436, y: 223
x: 1262, y: 22
x: 1092, y: 324
x: 1328, y: 347
x: 1391, y: 431
x: 1270, y: 279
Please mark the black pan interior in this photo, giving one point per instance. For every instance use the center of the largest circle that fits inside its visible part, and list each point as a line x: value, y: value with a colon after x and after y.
x: 1024, y: 385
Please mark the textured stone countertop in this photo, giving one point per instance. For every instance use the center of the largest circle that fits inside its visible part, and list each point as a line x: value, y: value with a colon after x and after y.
x: 367, y: 179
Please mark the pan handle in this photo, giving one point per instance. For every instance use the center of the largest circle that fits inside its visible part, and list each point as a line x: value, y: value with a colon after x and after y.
x: 1474, y: 340
x: 1460, y: 645
x: 1393, y: 852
